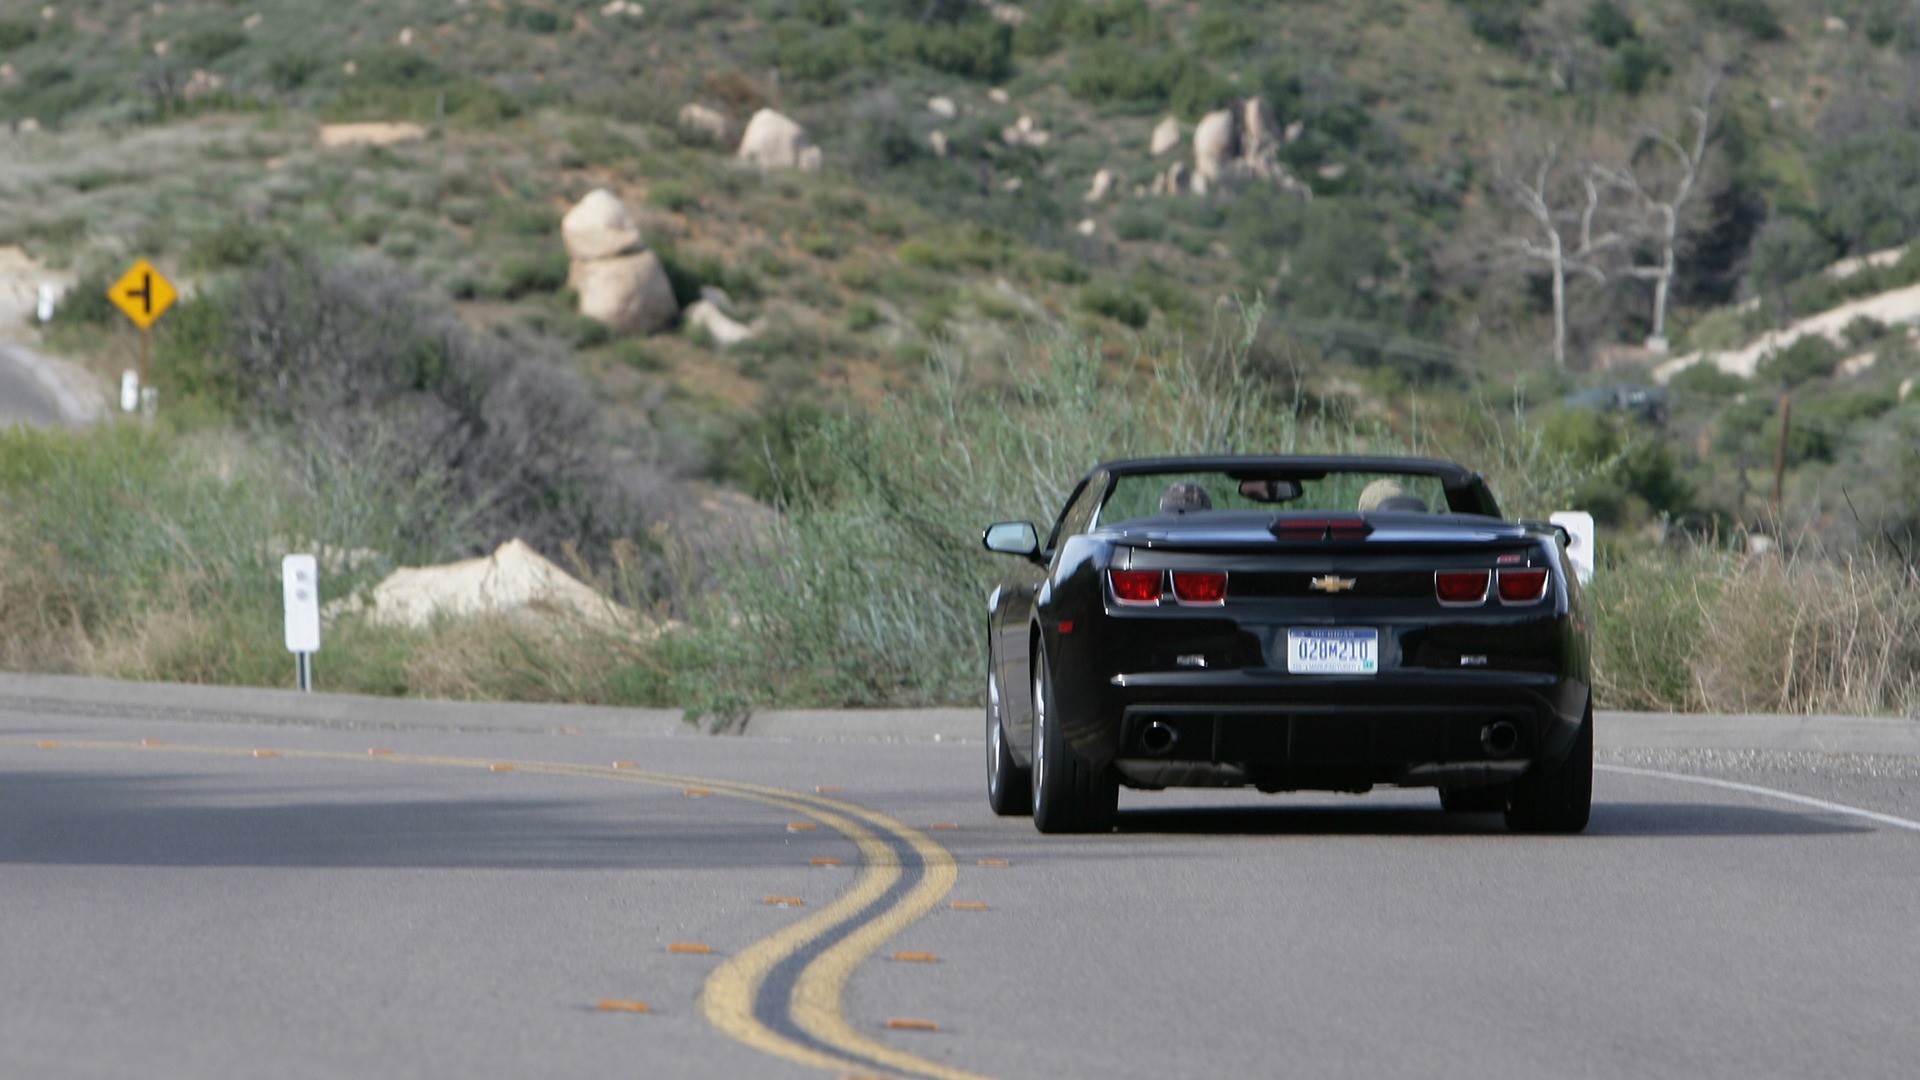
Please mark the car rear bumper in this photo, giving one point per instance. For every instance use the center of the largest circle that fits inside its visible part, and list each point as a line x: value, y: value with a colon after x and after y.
x: 1276, y: 732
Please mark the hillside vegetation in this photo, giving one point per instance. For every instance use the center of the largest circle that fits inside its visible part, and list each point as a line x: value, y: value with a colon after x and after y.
x: 1509, y: 198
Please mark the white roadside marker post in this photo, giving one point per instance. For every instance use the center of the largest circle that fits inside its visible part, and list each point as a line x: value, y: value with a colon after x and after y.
x: 300, y: 585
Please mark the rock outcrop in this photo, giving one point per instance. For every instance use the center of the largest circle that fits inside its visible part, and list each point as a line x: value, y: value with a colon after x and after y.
x: 717, y: 325
x: 704, y: 122
x: 1240, y: 145
x: 1166, y: 136
x: 776, y: 141
x: 1102, y: 185
x: 599, y: 227
x: 513, y: 581
x: 627, y: 293
x: 1025, y: 132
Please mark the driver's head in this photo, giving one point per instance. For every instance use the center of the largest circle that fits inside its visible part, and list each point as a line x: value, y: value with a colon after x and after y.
x: 1183, y: 496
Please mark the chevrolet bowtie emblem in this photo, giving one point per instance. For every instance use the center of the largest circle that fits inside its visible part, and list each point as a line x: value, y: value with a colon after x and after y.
x: 1331, y: 584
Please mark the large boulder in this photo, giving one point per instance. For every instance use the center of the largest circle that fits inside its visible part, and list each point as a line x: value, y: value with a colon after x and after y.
x: 599, y: 227
x: 513, y: 581
x: 723, y: 331
x: 1166, y: 136
x: 1102, y: 185
x: 627, y: 293
x: 1259, y: 131
x: 1216, y: 144
x: 775, y: 141
x: 704, y: 122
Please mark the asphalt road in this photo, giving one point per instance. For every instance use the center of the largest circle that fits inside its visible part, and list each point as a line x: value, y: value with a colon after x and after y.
x: 175, y: 902
x: 33, y: 393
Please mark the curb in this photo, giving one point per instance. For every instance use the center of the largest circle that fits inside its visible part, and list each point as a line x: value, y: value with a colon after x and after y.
x: 77, y: 696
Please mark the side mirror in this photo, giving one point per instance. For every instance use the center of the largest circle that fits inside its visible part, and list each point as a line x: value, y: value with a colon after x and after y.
x: 1576, y: 526
x: 1012, y: 538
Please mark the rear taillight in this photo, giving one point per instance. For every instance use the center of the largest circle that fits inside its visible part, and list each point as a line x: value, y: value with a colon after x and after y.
x: 1136, y: 586
x: 1522, y: 586
x: 1461, y: 588
x: 1199, y: 587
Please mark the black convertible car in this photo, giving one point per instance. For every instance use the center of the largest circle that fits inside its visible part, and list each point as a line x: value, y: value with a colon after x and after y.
x: 1326, y: 623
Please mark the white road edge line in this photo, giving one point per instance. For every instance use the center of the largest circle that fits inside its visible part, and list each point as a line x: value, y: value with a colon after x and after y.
x: 1768, y: 793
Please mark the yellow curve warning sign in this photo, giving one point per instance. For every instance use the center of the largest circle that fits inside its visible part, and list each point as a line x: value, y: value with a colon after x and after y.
x: 143, y: 294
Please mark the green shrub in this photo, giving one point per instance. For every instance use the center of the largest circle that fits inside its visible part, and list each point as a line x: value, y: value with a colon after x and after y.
x: 1708, y: 381
x: 1811, y: 357
x: 1136, y: 224
x: 1755, y: 17
x: 1636, y: 66
x: 672, y: 195
x: 1609, y: 24
x: 206, y: 45
x: 1115, y: 302
x: 976, y: 48
x: 16, y: 34
x: 532, y: 19
x: 530, y: 274
x: 1498, y: 22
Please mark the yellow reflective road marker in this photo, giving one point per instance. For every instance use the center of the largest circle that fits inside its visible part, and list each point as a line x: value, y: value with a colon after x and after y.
x: 784, y: 901
x: 49, y: 746
x: 916, y: 958
x: 625, y: 765
x: 827, y: 789
x: 903, y: 1024
x: 969, y: 905
x: 501, y: 768
x: 616, y: 1005
x: 379, y: 751
x: 697, y: 792
x: 689, y: 947
x: 801, y: 826
x: 266, y: 753
x: 151, y: 742
x: 996, y: 862
x: 824, y: 860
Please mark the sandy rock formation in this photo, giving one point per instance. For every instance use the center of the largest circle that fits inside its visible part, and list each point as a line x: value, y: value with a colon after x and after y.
x: 937, y: 142
x: 515, y: 580
x: 1025, y: 132
x: 628, y: 293
x: 724, y: 330
x: 776, y: 141
x: 704, y: 121
x: 1103, y: 182
x: 943, y: 106
x: 1240, y: 145
x: 599, y: 227
x: 1166, y: 136
x: 369, y: 134
x: 1174, y: 181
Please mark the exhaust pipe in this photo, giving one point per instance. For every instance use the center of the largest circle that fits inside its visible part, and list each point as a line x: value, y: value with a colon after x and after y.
x: 1499, y: 739
x: 1159, y: 737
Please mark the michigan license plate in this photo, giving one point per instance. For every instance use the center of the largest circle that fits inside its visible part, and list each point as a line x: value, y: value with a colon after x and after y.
x: 1333, y: 652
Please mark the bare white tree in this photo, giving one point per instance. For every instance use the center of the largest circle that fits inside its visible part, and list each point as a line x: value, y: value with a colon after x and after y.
x: 1660, y: 177
x: 1564, y: 211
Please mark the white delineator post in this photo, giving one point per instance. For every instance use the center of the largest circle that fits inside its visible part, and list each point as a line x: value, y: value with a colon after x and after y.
x: 300, y: 584
x: 1579, y: 526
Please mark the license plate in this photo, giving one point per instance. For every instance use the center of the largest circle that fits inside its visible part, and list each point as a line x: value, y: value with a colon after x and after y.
x: 1333, y: 652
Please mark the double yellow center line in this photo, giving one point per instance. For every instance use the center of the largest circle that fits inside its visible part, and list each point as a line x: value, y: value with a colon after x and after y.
x: 782, y: 995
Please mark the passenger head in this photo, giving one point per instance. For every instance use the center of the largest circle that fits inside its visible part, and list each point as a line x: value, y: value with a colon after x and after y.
x: 1378, y: 492
x: 1183, y: 496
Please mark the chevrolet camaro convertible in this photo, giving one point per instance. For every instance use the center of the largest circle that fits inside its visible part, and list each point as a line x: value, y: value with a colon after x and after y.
x: 1290, y: 623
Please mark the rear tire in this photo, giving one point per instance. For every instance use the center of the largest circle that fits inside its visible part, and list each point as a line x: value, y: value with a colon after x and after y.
x: 1474, y: 800
x: 1559, y: 800
x: 1009, y: 787
x: 1068, y: 796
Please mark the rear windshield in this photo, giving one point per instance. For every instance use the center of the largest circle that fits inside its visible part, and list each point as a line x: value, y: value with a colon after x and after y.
x: 1145, y: 495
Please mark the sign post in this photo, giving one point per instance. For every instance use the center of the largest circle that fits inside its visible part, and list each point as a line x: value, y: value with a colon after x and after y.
x: 300, y: 586
x: 143, y: 294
